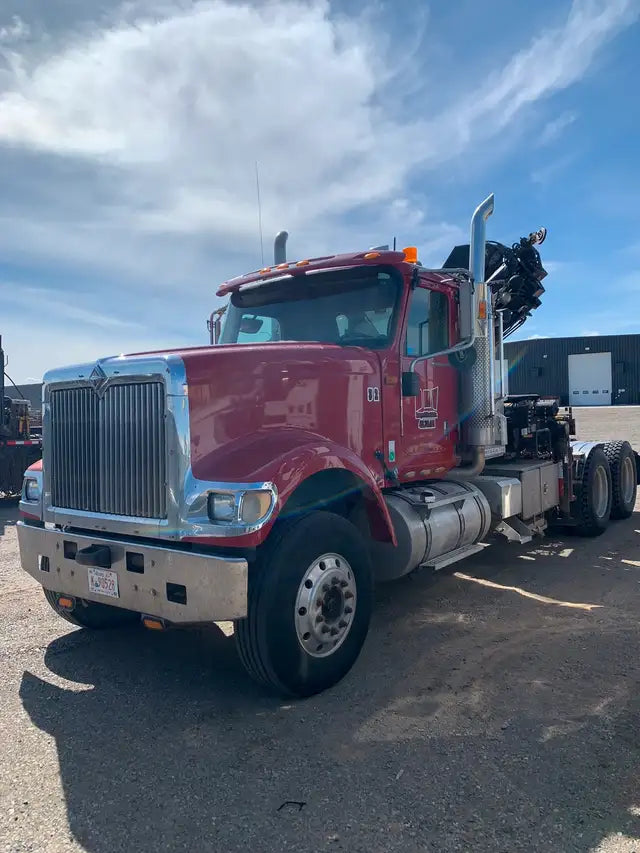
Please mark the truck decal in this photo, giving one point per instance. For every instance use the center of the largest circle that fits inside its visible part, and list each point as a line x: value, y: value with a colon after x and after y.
x: 427, y: 411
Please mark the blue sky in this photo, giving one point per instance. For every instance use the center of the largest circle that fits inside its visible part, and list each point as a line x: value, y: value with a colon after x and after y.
x: 129, y: 135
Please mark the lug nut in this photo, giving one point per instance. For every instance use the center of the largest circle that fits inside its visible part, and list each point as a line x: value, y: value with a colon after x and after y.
x: 319, y: 618
x: 342, y: 624
x: 348, y: 609
x: 344, y: 583
x: 325, y: 629
x: 334, y: 631
x: 348, y: 595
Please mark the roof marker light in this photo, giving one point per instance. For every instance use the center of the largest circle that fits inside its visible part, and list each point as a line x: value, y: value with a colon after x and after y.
x: 411, y: 254
x: 370, y: 255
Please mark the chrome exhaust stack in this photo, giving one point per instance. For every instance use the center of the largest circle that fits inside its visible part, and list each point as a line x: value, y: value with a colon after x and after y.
x: 280, y: 247
x: 478, y: 398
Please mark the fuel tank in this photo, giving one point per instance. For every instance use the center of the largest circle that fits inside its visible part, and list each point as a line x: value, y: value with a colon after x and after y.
x: 435, y: 525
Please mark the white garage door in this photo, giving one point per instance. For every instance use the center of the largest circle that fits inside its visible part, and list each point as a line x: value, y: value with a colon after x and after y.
x: 590, y: 379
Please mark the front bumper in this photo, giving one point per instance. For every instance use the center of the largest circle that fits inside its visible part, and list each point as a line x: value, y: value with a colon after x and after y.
x: 215, y: 587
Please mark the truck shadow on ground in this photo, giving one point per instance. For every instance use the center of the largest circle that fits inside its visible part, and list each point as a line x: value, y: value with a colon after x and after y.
x: 476, y: 718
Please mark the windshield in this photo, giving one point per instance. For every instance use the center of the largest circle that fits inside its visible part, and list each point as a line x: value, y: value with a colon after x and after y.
x: 354, y: 307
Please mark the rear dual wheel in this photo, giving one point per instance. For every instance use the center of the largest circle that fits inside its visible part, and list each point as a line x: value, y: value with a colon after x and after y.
x: 592, y: 507
x: 608, y: 488
x: 624, y: 477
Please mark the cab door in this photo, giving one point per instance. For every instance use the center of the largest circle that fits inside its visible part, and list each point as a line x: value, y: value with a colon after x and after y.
x: 426, y: 449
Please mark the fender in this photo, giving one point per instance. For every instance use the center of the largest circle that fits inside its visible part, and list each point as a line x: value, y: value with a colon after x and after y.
x: 581, y: 450
x: 293, y: 456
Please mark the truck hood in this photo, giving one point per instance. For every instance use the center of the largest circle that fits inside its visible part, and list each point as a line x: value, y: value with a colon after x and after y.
x: 245, y: 401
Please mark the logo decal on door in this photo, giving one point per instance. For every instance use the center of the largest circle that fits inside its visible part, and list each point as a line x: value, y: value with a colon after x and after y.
x: 373, y: 395
x: 427, y: 412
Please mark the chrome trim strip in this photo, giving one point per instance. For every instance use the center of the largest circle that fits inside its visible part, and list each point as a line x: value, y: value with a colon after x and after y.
x: 196, y: 499
x: 186, y: 496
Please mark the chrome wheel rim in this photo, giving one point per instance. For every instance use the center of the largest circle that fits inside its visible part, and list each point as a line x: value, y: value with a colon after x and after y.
x: 325, y: 605
x: 600, y: 492
x: 627, y: 479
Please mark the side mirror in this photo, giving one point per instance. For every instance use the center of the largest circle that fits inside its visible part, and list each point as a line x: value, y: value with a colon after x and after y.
x: 214, y: 324
x: 410, y: 384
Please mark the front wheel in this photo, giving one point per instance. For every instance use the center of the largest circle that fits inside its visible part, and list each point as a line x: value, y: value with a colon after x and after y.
x: 310, y: 601
x: 91, y: 614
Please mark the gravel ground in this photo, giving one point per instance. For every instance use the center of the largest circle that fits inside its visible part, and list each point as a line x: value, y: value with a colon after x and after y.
x: 476, y: 719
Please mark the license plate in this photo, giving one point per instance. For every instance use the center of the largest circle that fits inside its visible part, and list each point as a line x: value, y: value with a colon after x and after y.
x: 103, y: 582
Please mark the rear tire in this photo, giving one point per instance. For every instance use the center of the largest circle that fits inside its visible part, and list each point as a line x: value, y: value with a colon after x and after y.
x: 592, y: 507
x: 91, y: 614
x: 310, y: 601
x: 624, y: 478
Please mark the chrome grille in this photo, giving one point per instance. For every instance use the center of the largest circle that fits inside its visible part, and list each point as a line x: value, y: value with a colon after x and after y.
x: 106, y: 453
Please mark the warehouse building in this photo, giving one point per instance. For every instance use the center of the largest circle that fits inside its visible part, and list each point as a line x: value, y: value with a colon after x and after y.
x: 590, y: 371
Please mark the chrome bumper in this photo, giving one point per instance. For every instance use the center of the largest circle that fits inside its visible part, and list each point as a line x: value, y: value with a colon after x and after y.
x: 215, y: 587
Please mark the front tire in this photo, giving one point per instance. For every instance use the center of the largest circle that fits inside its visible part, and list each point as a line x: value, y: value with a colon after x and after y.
x: 624, y: 477
x: 310, y: 602
x: 592, y: 507
x: 91, y: 614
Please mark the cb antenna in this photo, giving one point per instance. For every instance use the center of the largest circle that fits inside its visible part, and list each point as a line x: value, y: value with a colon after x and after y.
x: 259, y: 213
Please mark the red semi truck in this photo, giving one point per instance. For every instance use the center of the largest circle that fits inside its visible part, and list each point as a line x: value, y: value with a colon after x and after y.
x: 348, y: 426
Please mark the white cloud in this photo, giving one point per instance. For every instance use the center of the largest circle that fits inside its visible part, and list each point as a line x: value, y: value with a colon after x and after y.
x: 14, y: 31
x: 58, y: 308
x: 183, y: 104
x: 556, y: 127
x: 552, y: 168
x: 554, y: 60
x: 146, y: 127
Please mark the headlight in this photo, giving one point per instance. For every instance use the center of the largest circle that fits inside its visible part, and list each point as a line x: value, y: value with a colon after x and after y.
x: 254, y: 506
x: 32, y: 490
x: 222, y: 507
x: 239, y: 508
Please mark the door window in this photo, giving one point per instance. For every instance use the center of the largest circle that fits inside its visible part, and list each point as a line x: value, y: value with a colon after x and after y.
x: 428, y: 322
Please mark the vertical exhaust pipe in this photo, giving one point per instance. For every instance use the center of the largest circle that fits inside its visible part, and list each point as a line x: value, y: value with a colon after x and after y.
x: 478, y: 389
x: 477, y: 250
x: 280, y: 248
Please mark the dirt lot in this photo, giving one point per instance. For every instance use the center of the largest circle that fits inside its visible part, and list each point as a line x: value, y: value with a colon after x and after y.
x: 478, y: 718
